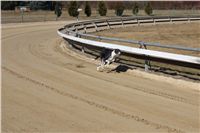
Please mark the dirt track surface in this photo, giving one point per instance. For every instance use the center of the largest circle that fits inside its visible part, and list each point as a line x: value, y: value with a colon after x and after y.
x: 44, y: 90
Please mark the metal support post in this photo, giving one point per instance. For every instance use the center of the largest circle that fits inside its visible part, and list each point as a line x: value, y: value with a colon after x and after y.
x: 147, y: 64
x: 189, y: 19
x: 85, y: 29
x: 138, y: 22
x: 169, y: 19
x: 82, y: 50
x: 154, y: 22
x: 122, y: 22
x: 77, y: 19
x: 76, y: 33
x: 108, y: 24
x: 95, y: 26
x: 70, y: 44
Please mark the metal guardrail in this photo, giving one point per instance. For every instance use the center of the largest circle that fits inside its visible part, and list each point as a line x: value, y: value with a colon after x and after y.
x: 75, y: 31
x: 141, y: 42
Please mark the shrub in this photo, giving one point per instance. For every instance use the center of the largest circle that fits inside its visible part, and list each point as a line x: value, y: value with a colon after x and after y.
x: 72, y: 10
x: 119, y: 9
x: 102, y: 8
x: 88, y: 11
x: 135, y: 9
x: 148, y: 9
x: 58, y: 10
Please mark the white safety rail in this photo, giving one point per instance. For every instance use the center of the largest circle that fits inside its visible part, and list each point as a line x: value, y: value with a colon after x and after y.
x: 69, y: 33
x: 138, y: 51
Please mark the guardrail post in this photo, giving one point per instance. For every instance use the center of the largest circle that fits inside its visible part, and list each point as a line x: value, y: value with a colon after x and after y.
x: 170, y: 19
x: 85, y: 29
x: 108, y: 24
x: 154, y: 22
x: 95, y: 26
x: 82, y: 50
x: 188, y: 19
x: 122, y: 22
x: 147, y: 64
x: 70, y: 44
x: 76, y: 33
x: 138, y: 22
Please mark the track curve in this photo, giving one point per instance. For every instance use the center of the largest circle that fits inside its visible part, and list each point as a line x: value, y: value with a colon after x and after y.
x: 46, y: 90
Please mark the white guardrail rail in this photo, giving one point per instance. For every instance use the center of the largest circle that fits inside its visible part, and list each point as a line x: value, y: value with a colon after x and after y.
x: 74, y: 32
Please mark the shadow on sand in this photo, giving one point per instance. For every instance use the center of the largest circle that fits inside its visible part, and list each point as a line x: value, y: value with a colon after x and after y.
x: 120, y: 68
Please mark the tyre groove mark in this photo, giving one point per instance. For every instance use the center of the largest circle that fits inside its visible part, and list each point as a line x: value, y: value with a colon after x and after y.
x: 21, y: 33
x: 97, y: 105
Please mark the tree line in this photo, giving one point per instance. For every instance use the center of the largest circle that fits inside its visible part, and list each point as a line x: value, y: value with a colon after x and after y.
x: 102, y: 9
x: 50, y: 5
x: 101, y: 6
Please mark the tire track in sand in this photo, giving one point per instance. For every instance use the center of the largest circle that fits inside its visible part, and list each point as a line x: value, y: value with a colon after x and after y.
x: 98, y: 105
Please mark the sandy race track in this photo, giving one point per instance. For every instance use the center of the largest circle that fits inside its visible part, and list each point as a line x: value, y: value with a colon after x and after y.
x: 44, y: 90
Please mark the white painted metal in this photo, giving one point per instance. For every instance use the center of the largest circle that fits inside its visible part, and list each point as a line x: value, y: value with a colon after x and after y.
x: 127, y: 49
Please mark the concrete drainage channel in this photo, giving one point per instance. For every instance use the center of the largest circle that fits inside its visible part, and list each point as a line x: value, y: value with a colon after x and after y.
x: 77, y: 35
